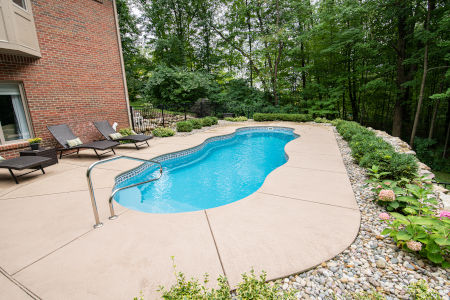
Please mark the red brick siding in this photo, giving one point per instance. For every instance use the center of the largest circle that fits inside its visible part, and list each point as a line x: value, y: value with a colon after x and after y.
x: 79, y: 77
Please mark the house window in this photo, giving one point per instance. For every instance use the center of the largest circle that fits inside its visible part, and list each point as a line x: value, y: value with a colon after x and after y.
x: 21, y: 3
x: 14, y: 125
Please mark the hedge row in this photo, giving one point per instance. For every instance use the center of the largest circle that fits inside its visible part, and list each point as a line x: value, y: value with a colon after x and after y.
x: 282, y: 117
x: 370, y: 150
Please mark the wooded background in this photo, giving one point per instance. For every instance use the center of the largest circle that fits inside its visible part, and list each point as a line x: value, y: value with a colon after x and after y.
x: 370, y: 61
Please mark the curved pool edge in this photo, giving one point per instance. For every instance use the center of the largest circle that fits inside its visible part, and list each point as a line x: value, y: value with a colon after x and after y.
x: 235, y: 217
x: 331, y: 227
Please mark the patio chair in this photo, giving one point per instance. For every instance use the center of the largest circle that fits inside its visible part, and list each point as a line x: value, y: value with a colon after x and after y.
x: 22, y: 163
x: 62, y: 134
x: 106, y: 130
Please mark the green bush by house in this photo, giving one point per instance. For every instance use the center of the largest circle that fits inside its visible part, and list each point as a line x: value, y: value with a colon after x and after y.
x: 282, y: 117
x: 163, y: 132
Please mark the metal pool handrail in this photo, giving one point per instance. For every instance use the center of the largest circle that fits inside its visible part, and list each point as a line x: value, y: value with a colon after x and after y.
x: 111, y: 208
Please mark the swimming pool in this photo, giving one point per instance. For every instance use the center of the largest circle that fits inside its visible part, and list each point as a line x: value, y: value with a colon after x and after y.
x: 221, y: 170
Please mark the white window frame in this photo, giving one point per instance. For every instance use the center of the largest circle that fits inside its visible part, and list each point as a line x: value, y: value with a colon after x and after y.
x: 25, y: 109
x: 24, y: 8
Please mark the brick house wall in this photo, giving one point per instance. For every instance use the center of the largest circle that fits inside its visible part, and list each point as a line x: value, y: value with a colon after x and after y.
x: 79, y: 77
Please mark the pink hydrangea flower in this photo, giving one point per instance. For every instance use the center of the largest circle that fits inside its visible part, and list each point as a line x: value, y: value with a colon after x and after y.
x: 444, y: 214
x: 386, y: 195
x: 387, y: 183
x: 413, y: 245
x: 384, y: 216
x: 379, y: 186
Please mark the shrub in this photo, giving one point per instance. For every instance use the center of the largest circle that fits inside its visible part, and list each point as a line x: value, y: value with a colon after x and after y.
x: 196, y: 123
x: 335, y: 122
x: 321, y: 120
x: 381, y: 158
x: 349, y: 129
x: 251, y: 287
x: 163, y: 132
x: 425, y: 235
x: 236, y: 119
x: 207, y: 121
x: 215, y: 120
x: 282, y: 117
x: 366, y: 143
x: 403, y: 166
x: 185, y: 126
x: 420, y: 291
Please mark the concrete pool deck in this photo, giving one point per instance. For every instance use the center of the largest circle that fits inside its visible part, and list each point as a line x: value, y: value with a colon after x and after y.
x: 304, y: 213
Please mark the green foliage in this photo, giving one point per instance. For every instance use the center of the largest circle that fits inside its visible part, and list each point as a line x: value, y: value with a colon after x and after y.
x: 163, y: 132
x: 349, y: 129
x: 260, y: 117
x: 372, y: 295
x: 429, y: 153
x: 176, y: 88
x: 236, y: 96
x: 126, y: 131
x: 431, y: 232
x: 365, y: 143
x: 256, y: 287
x: 417, y: 291
x: 321, y: 120
x: 214, y: 120
x: 236, y: 119
x: 196, y: 123
x: 421, y: 291
x: 185, y: 126
x: 251, y: 287
x: 207, y: 121
x: 369, y: 150
x: 35, y: 140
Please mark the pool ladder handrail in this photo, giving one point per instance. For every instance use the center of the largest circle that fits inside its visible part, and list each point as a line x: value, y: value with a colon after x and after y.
x: 111, y: 207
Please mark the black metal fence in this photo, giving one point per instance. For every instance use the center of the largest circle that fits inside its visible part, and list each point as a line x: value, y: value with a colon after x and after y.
x: 147, y: 117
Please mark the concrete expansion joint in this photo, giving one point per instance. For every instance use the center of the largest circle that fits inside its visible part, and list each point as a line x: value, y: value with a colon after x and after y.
x: 19, y: 285
x: 310, y: 201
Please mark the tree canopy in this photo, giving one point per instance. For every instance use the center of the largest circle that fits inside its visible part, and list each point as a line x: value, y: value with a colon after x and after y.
x: 352, y: 59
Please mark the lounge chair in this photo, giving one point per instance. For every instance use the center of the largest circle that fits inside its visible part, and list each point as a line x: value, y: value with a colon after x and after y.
x: 106, y: 130
x: 62, y: 134
x: 22, y: 163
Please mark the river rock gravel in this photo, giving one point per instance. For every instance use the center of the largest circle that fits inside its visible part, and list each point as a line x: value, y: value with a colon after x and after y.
x: 372, y: 262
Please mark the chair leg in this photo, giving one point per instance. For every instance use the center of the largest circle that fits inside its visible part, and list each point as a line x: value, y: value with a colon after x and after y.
x: 42, y: 169
x: 147, y: 143
x: 113, y: 151
x: 96, y: 153
x: 136, y: 145
x: 60, y: 154
x: 14, y: 176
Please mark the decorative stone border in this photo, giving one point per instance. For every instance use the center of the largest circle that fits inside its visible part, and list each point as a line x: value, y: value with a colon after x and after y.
x: 424, y: 170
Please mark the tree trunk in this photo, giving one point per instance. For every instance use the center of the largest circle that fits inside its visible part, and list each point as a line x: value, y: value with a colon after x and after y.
x: 444, y: 154
x: 433, y: 119
x: 422, y: 85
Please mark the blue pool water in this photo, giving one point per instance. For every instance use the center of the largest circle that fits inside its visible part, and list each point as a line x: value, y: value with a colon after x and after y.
x: 218, y: 172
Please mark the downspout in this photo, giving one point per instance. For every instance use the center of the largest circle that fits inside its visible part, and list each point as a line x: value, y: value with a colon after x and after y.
x: 122, y: 64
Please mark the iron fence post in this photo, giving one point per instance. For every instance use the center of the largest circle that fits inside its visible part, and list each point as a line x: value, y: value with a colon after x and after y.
x: 132, y: 118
